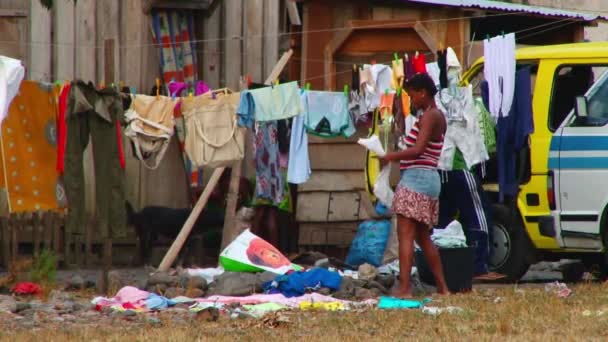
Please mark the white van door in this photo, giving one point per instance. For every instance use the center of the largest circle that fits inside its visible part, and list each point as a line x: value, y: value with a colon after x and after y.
x: 579, y: 160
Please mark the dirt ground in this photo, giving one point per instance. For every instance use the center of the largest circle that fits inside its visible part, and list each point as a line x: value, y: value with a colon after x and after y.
x: 508, y: 312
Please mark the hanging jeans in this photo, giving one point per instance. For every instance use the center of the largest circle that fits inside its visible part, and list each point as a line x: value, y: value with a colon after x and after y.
x: 463, y: 197
x: 83, y: 121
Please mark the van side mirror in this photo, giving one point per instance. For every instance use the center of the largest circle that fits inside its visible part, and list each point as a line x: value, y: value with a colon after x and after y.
x: 580, y: 108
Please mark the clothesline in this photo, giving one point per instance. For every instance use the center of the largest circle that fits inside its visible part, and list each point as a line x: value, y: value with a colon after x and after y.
x: 552, y: 26
x: 280, y: 34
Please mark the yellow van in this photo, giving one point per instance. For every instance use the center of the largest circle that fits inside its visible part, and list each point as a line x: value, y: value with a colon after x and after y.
x: 561, y: 209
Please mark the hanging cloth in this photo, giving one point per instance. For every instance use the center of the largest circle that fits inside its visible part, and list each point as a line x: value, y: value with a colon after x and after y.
x: 499, y: 71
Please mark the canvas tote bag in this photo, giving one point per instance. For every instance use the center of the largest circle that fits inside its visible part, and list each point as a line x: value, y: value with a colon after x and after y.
x: 150, y: 127
x: 213, y: 138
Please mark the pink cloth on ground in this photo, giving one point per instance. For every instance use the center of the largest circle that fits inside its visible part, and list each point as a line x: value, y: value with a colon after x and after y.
x: 293, y: 302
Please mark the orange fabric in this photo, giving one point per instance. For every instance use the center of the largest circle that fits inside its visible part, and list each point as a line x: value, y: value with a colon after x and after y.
x: 386, y: 104
x: 29, y: 143
x: 405, y: 100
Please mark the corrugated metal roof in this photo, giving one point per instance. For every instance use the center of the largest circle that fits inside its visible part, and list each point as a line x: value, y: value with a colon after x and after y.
x: 509, y: 7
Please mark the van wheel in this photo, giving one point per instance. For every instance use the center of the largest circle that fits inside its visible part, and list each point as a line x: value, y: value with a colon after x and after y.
x: 509, y: 245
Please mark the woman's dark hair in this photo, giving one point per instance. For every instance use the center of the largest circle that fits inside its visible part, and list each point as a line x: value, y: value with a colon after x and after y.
x: 422, y: 81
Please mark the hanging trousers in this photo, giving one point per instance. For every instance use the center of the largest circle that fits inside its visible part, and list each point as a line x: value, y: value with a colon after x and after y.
x: 463, y: 198
x: 94, y: 114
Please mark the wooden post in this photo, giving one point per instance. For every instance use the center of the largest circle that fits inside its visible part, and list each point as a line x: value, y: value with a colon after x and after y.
x: 58, y: 220
x: 6, y: 242
x: 230, y: 229
x: 185, y: 231
x: 108, y: 61
x: 47, y: 228
x: 18, y: 219
x: 107, y: 265
x: 36, y: 225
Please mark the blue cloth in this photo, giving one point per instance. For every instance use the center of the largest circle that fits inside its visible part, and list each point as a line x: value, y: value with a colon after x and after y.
x: 421, y: 180
x: 369, y: 244
x: 156, y: 302
x: 246, y: 110
x: 513, y: 132
x: 298, y: 170
x: 295, y: 284
x: 387, y: 303
x: 463, y: 196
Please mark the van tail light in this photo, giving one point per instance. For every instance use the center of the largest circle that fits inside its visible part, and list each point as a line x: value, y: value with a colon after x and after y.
x: 551, y: 190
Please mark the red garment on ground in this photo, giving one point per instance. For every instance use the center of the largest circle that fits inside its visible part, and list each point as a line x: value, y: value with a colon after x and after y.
x: 27, y: 288
x: 62, y: 127
x: 419, y: 63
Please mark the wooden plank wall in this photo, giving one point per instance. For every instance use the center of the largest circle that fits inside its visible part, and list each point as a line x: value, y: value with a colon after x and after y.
x: 71, y: 41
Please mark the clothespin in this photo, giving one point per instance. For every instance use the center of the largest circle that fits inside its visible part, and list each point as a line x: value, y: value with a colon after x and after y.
x: 249, y: 81
x: 406, y: 57
x: 416, y: 55
x: 487, y: 36
x: 346, y: 90
x: 157, y: 88
x: 440, y: 46
x: 58, y: 83
x: 373, y: 62
x: 190, y: 95
x: 396, y: 57
x: 354, y: 67
x: 398, y: 91
x: 133, y: 91
x: 386, y: 91
x: 121, y: 84
x: 307, y: 86
x: 102, y: 85
x: 112, y: 86
x: 503, y: 33
x: 276, y: 82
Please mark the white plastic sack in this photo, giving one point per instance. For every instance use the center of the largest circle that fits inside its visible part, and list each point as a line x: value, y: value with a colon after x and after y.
x: 382, y: 187
x: 373, y: 144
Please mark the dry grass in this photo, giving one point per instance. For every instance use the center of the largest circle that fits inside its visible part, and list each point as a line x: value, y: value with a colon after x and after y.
x: 507, y: 313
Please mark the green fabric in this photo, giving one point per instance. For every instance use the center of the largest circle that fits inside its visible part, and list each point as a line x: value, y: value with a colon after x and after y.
x: 459, y: 163
x: 487, y: 126
x: 110, y: 189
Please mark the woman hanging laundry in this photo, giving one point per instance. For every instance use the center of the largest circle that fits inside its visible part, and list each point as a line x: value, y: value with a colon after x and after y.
x: 416, y: 200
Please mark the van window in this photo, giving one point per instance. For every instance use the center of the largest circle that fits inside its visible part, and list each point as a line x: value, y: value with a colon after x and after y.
x: 569, y: 82
x: 597, y: 106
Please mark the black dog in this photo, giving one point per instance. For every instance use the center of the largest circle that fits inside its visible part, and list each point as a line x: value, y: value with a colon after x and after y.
x: 153, y: 222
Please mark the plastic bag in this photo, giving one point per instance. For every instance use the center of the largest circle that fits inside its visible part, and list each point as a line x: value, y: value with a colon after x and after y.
x: 369, y: 244
x: 382, y: 187
x: 373, y: 144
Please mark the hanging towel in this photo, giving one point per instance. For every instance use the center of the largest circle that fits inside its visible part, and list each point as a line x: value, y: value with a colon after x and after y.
x: 11, y: 75
x: 277, y: 102
x: 326, y: 113
x: 298, y: 170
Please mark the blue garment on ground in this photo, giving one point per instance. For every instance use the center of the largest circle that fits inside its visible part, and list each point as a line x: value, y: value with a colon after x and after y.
x: 369, y: 244
x: 295, y: 284
x: 397, y: 303
x: 156, y: 302
x: 462, y: 195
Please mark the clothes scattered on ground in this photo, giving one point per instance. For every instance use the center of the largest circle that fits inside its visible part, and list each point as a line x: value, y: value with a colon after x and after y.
x: 436, y: 311
x: 298, y: 283
x: 452, y: 236
x: 26, y: 288
x: 388, y: 303
x: 209, y: 274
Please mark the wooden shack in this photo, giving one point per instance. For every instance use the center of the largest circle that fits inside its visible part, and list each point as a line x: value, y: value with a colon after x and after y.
x: 337, y: 34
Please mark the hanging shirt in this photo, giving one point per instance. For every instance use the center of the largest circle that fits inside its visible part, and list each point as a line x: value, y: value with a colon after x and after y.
x: 11, y: 75
x: 275, y: 102
x: 513, y: 131
x: 419, y: 63
x: 269, y: 181
x: 463, y: 134
x: 298, y: 170
x: 326, y: 113
x: 381, y: 78
x: 499, y: 71
x: 433, y: 70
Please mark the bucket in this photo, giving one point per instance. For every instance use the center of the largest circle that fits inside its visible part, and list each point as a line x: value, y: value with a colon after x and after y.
x: 457, y: 268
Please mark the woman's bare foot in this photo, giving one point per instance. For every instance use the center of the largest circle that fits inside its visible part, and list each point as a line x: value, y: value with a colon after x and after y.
x: 402, y: 294
x: 443, y: 291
